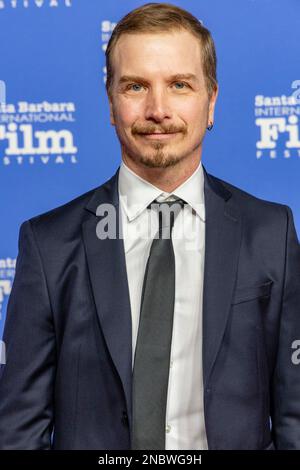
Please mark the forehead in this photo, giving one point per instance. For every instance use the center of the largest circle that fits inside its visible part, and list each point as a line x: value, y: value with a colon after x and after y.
x: 157, y: 53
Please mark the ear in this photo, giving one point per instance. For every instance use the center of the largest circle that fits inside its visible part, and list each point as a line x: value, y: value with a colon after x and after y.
x: 212, y: 104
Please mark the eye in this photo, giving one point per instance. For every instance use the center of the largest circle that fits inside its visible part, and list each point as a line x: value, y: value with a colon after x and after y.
x: 134, y: 87
x: 182, y: 85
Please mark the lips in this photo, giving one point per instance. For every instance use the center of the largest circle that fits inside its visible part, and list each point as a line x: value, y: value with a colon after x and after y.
x: 159, y: 135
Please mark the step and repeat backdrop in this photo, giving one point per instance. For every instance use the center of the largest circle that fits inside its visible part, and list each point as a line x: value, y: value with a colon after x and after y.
x: 56, y: 141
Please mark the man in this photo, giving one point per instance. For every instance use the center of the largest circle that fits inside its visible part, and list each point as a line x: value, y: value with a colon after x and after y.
x: 182, y: 341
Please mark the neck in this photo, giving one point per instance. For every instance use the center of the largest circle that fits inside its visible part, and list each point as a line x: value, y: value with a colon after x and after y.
x: 166, y: 179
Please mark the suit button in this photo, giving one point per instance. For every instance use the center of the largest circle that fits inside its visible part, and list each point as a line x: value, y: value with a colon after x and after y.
x: 124, y: 418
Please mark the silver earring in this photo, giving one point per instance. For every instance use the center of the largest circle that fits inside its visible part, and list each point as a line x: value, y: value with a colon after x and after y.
x: 211, y: 125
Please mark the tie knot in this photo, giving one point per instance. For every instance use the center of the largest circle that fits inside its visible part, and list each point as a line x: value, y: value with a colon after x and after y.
x: 167, y: 213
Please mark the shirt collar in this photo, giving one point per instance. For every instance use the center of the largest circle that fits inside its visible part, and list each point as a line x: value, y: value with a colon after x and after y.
x: 136, y: 193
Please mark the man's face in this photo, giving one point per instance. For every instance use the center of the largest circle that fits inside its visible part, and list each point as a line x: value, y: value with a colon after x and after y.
x: 159, y: 102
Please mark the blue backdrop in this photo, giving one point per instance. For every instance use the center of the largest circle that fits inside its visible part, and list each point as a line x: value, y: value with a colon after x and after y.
x: 56, y: 141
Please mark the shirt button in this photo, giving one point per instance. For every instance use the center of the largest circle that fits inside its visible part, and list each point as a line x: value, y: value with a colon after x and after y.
x: 168, y: 428
x: 171, y: 363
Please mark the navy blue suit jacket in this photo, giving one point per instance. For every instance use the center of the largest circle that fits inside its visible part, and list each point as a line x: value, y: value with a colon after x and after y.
x: 68, y: 328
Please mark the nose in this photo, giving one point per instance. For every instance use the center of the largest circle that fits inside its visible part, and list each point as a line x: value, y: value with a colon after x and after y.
x: 157, y: 106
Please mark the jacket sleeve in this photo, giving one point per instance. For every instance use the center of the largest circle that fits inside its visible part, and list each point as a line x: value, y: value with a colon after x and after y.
x: 285, y: 408
x: 27, y: 377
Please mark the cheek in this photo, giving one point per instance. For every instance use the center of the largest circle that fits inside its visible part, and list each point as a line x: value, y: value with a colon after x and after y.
x: 127, y: 112
x: 201, y: 109
x: 193, y: 113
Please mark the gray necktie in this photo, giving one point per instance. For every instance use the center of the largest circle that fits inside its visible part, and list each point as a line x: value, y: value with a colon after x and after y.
x: 152, y: 354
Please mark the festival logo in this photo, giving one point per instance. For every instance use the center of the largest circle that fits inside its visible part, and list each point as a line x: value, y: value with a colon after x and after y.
x: 37, y: 133
x: 17, y: 4
x: 277, y: 118
x: 2, y: 92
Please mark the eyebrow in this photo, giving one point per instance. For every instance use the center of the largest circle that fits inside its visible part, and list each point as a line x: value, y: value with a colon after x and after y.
x: 177, y: 76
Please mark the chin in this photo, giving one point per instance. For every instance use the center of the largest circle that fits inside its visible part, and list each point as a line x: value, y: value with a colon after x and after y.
x: 160, y: 161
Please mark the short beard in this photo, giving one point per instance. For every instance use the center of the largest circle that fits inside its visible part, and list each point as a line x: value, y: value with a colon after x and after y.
x: 160, y: 159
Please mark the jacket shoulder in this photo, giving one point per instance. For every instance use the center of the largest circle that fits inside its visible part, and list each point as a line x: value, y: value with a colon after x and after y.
x: 245, y: 199
x: 64, y: 213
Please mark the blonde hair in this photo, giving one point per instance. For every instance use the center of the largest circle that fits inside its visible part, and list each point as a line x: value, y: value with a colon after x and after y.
x: 159, y: 18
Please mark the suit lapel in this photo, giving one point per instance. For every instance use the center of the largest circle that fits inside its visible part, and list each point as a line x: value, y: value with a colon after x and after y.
x: 107, y: 268
x: 222, y: 246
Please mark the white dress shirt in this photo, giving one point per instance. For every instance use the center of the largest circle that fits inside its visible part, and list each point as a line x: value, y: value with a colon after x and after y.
x: 185, y: 427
